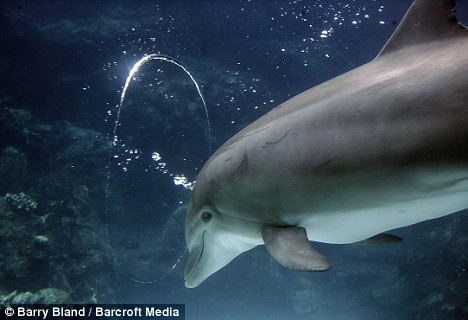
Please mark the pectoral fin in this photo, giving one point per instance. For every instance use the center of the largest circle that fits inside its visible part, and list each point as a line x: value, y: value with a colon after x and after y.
x: 382, y: 238
x: 290, y: 247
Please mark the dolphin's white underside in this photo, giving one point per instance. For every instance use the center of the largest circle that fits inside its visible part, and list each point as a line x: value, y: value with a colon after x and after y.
x: 357, y: 207
x: 374, y: 208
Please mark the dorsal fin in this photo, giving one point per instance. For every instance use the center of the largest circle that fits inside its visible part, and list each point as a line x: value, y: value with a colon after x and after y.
x: 425, y: 21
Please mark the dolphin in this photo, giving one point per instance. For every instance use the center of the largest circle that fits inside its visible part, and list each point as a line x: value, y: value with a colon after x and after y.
x: 380, y: 147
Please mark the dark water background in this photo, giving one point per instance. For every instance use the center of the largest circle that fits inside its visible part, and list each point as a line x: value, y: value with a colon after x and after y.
x: 63, y: 65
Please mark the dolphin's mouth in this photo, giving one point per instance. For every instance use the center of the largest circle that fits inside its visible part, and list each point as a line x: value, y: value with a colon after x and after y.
x: 194, y: 259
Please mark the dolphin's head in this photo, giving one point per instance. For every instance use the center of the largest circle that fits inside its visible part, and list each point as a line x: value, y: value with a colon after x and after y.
x: 214, y: 235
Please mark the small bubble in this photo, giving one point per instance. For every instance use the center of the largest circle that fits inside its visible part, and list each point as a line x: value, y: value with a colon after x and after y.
x: 156, y: 156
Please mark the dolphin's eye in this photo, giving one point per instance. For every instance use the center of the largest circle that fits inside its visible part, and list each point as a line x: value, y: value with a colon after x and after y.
x: 206, y: 216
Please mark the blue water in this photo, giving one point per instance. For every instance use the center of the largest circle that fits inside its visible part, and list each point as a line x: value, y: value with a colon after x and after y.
x: 113, y: 224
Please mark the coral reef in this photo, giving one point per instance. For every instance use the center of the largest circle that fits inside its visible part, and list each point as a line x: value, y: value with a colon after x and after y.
x: 44, y: 296
x: 13, y: 170
x: 53, y: 241
x: 21, y: 201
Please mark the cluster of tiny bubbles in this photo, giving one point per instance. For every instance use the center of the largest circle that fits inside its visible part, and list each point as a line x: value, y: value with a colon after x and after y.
x: 320, y: 20
x: 325, y: 19
x: 160, y: 140
x: 302, y: 36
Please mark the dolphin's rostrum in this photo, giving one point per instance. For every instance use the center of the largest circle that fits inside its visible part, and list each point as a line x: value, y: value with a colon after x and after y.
x: 380, y: 147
